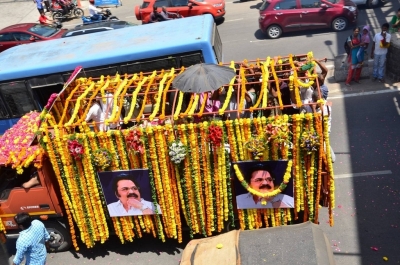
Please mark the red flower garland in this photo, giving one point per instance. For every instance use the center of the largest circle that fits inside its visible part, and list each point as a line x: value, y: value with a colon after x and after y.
x: 134, y: 141
x: 75, y: 149
x: 51, y: 100
x: 216, y: 134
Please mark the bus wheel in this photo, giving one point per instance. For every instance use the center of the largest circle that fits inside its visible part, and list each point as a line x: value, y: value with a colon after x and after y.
x: 60, y: 240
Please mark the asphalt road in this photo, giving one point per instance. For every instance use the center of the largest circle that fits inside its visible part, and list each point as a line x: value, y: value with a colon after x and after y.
x: 365, y: 137
x: 242, y: 39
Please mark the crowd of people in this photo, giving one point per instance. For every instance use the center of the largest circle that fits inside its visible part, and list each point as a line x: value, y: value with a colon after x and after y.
x: 358, y: 44
x: 281, y: 92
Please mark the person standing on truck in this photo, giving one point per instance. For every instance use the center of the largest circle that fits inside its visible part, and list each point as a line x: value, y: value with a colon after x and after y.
x: 96, y: 114
x: 32, y: 241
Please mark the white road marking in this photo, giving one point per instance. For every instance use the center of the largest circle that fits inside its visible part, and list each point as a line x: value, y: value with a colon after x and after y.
x: 130, y: 16
x: 363, y: 174
x: 390, y: 90
x: 396, y: 103
x: 233, y: 20
x: 258, y: 40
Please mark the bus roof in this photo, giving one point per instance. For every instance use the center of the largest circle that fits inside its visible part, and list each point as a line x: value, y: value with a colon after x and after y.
x: 106, y: 48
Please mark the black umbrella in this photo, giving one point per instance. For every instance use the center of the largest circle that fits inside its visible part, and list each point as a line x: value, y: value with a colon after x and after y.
x: 203, y: 77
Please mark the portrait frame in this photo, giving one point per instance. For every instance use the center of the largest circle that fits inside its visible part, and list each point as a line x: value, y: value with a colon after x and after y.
x: 277, y: 169
x: 140, y: 177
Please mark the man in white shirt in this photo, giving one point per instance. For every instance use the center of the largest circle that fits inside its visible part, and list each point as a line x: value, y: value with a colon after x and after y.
x: 130, y: 201
x: 96, y: 114
x: 93, y: 11
x: 262, y: 181
x: 380, y: 45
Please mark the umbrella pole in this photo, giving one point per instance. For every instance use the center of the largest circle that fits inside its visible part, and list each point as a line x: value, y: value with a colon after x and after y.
x: 173, y: 109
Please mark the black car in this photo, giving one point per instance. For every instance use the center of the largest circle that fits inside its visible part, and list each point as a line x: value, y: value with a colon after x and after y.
x: 97, y: 27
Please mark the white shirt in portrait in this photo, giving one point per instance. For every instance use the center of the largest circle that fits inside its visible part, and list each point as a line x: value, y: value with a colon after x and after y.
x: 117, y: 209
x: 246, y: 201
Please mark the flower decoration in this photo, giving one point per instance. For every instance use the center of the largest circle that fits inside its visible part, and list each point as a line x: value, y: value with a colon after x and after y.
x: 102, y: 158
x: 177, y: 152
x: 256, y: 145
x: 75, y: 148
x: 51, y: 100
x: 134, y: 141
x: 215, y: 135
x: 309, y: 142
x: 278, y: 131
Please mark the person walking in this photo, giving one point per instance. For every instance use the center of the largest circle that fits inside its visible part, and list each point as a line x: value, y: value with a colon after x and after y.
x: 354, y: 42
x: 32, y: 241
x: 39, y: 5
x: 380, y: 45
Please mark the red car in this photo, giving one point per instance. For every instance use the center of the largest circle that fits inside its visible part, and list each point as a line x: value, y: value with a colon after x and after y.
x: 185, y: 8
x: 279, y: 16
x: 27, y: 33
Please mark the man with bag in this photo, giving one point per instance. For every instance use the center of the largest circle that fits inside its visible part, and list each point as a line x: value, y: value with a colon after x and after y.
x: 380, y: 45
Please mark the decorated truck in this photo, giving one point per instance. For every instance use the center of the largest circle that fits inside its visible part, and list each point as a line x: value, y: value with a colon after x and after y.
x: 134, y: 154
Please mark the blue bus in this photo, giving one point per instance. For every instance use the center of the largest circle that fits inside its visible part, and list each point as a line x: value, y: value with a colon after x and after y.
x: 29, y: 74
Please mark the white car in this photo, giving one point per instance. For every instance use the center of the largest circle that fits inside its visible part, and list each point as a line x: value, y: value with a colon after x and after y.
x: 369, y: 3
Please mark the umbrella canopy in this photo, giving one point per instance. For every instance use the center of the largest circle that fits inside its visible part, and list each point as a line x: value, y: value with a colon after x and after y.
x: 200, y: 78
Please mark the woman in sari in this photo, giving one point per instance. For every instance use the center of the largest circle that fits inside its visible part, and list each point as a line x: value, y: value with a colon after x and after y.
x: 354, y: 42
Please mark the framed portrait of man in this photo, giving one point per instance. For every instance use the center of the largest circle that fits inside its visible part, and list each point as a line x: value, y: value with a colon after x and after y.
x: 263, y: 177
x: 127, y: 192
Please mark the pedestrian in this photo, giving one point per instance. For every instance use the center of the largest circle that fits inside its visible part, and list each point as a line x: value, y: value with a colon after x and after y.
x: 380, y: 45
x: 366, y: 40
x: 43, y: 20
x: 354, y: 42
x: 32, y: 241
x: 395, y: 22
x: 39, y: 5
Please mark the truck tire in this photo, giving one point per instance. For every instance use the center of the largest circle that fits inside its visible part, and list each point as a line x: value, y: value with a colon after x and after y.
x: 60, y: 240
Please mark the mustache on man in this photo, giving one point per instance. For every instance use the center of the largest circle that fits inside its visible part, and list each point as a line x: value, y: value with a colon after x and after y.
x: 265, y: 186
x: 133, y: 195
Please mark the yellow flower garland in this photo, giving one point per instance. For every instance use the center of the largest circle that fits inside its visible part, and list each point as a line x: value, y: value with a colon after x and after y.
x: 160, y: 92
x: 133, y: 101
x: 229, y: 92
x: 179, y: 106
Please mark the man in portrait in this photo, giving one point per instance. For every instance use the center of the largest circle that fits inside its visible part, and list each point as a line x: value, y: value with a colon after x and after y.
x: 261, y: 179
x: 129, y: 200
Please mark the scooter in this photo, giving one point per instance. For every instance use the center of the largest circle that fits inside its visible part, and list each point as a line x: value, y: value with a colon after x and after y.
x: 59, y: 13
x: 104, y: 16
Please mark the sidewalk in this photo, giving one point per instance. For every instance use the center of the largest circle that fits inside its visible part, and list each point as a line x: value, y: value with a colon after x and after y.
x: 366, y: 86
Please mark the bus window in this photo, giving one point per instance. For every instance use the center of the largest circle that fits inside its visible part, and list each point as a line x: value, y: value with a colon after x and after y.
x: 43, y: 93
x: 98, y: 72
x: 3, y: 110
x: 192, y: 59
x: 217, y: 44
x: 17, y: 98
x: 149, y: 66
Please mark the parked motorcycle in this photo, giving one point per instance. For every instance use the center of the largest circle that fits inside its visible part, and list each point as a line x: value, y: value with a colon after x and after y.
x: 104, y: 16
x: 71, y: 10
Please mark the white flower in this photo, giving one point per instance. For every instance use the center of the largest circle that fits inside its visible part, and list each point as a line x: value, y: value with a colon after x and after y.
x: 180, y: 144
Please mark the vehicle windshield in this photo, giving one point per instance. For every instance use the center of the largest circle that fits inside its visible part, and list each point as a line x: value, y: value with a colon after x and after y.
x: 264, y: 5
x: 42, y: 30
